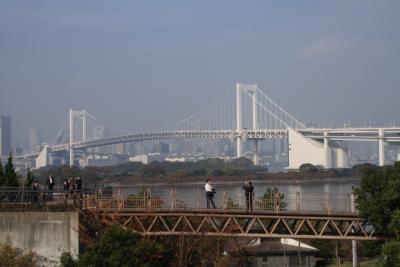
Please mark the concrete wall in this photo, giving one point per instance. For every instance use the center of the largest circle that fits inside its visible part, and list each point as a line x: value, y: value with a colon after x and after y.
x: 303, y: 150
x: 47, y: 233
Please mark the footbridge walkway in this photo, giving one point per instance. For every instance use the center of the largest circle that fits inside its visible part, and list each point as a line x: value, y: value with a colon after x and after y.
x: 160, y: 212
x: 273, y: 215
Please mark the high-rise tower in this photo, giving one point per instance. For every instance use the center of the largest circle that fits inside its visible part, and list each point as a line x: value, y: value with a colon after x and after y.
x: 5, y: 135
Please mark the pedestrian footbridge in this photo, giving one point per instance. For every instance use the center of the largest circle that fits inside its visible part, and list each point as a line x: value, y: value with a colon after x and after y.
x: 274, y: 215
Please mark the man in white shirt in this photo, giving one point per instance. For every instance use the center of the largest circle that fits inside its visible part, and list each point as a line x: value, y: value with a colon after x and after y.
x: 210, y: 191
x: 50, y: 185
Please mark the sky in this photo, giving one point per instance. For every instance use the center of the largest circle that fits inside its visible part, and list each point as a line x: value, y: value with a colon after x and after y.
x: 140, y: 65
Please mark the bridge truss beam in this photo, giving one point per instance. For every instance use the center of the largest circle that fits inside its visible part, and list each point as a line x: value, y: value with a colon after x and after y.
x: 241, y: 225
x: 210, y: 134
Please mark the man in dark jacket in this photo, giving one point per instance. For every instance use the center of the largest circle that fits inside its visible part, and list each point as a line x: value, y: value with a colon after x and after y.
x: 249, y: 194
x: 78, y: 185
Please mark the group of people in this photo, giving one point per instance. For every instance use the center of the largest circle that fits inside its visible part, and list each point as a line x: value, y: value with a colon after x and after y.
x: 248, y: 192
x: 71, y: 185
x: 49, y: 186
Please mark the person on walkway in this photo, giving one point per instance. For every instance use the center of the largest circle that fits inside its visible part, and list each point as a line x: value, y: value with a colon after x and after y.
x: 66, y: 187
x: 210, y: 191
x: 249, y: 194
x: 78, y: 185
x: 71, y: 186
x: 36, y: 191
x: 50, y: 185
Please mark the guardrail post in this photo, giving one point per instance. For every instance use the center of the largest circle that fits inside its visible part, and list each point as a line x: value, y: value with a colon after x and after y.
x: 353, y: 203
x: 171, y: 202
x: 175, y: 198
x: 149, y: 204
x: 328, y: 202
x: 145, y: 198
x: 172, y: 194
x: 198, y: 199
x: 277, y: 201
x: 225, y: 201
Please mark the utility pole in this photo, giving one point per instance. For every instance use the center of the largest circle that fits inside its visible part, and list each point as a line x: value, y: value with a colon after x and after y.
x: 354, y: 242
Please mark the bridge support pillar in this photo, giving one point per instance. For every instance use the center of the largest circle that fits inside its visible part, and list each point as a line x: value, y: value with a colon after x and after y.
x: 71, y: 157
x: 327, y: 151
x: 255, y: 152
x: 43, y: 158
x: 239, y: 147
x: 381, y: 147
x: 398, y: 153
x: 341, y: 156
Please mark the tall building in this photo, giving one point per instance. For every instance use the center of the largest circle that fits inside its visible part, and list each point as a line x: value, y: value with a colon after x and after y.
x: 120, y: 148
x: 33, y: 140
x: 5, y: 135
x: 161, y: 147
x: 99, y: 133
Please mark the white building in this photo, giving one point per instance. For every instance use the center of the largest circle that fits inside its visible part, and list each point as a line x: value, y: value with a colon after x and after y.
x: 147, y: 158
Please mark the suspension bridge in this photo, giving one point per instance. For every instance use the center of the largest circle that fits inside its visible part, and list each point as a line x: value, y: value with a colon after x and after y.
x: 246, y: 114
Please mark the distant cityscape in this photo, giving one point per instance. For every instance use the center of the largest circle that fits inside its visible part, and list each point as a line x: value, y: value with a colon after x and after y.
x: 273, y: 152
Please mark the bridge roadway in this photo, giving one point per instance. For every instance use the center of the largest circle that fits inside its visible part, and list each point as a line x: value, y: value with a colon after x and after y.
x: 338, y: 134
x: 293, y: 216
x: 335, y: 134
x: 184, y: 134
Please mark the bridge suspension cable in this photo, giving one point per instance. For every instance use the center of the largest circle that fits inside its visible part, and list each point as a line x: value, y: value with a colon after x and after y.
x: 221, y: 114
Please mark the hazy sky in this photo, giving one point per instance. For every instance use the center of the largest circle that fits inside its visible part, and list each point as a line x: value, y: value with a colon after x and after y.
x: 142, y: 64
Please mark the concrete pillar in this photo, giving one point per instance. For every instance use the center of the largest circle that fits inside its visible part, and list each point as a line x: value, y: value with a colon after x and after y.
x: 71, y: 157
x: 43, y: 158
x: 381, y: 147
x: 341, y: 156
x: 255, y: 152
x: 239, y: 152
x: 327, y: 150
x: 84, y: 161
x: 398, y: 153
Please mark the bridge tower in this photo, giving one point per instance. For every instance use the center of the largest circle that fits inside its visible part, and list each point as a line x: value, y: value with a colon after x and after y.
x: 381, y: 146
x: 83, y: 116
x: 252, y: 90
x: 71, y: 137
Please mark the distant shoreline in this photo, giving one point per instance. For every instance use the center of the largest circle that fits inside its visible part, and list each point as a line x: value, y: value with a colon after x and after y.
x: 269, y: 180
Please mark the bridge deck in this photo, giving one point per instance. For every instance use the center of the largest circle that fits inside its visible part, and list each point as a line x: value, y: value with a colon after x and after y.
x: 220, y: 223
x: 172, y: 214
x: 293, y: 216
